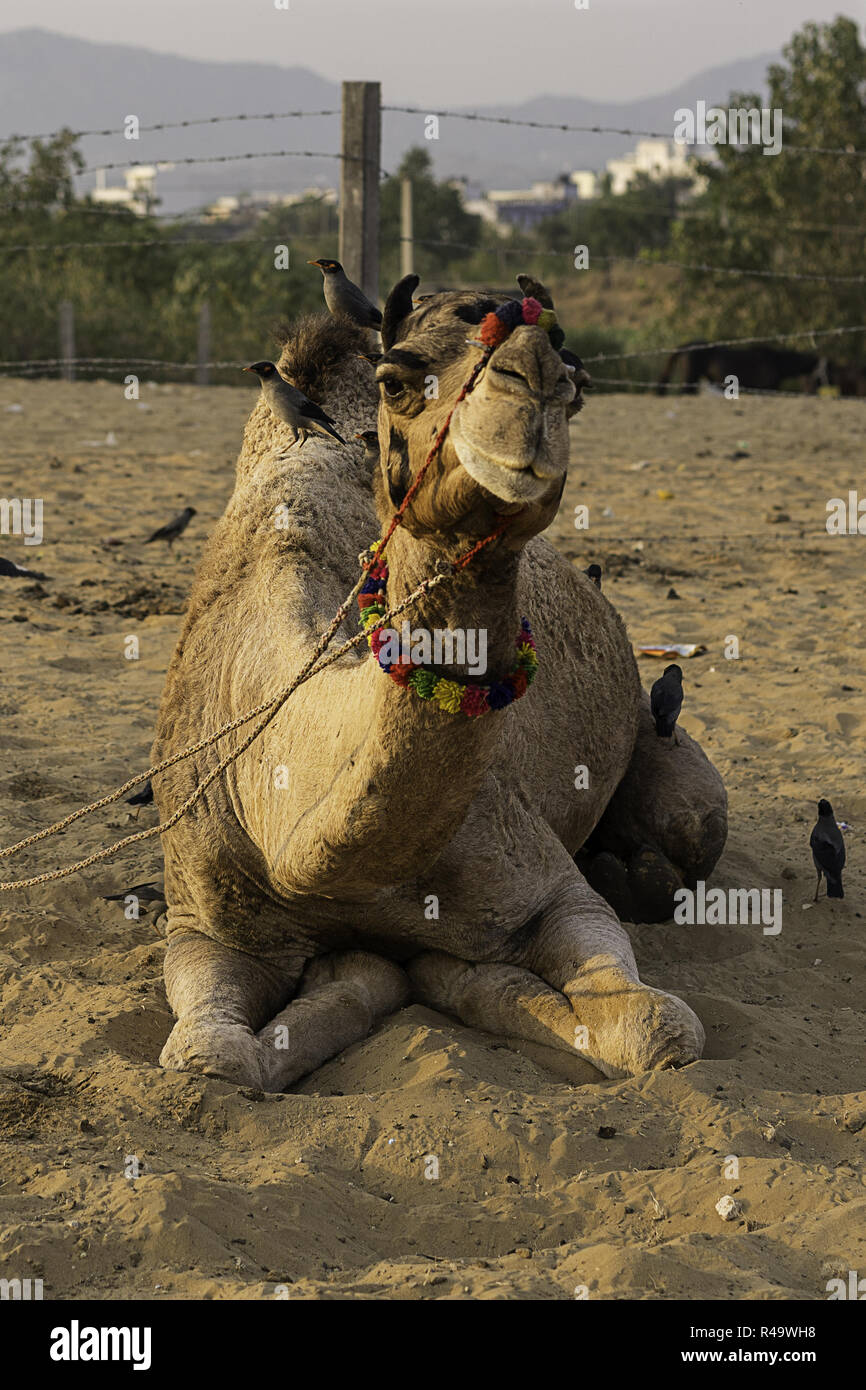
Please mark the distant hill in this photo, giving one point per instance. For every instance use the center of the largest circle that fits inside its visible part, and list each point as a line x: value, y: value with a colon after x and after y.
x: 48, y: 80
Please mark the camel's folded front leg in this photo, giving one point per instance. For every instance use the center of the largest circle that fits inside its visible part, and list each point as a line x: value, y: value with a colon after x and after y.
x: 223, y: 997
x: 580, y: 948
x: 342, y: 996
x: 501, y: 999
x: 220, y: 996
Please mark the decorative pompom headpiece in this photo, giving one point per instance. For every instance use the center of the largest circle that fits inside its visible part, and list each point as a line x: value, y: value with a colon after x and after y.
x: 495, y: 327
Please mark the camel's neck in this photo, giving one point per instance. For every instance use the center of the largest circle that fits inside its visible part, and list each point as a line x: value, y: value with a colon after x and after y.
x: 394, y: 774
x: 478, y: 604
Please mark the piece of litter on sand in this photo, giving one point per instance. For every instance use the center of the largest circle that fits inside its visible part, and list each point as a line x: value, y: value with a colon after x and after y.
x: 109, y: 441
x: 608, y: 511
x: 643, y: 463
x: 672, y: 649
x: 806, y: 906
x: 728, y: 1208
x: 14, y: 409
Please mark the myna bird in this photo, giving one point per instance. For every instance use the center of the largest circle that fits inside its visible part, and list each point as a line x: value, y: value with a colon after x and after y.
x: 828, y: 851
x: 291, y: 406
x: 666, y: 701
x: 10, y: 570
x: 593, y: 572
x: 342, y: 297
x: 370, y: 441
x: 173, y: 529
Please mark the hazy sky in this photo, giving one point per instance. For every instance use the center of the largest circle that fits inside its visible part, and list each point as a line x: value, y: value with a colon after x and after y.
x: 441, y: 51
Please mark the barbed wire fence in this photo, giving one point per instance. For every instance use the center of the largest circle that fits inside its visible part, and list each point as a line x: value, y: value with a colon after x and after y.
x: 368, y: 162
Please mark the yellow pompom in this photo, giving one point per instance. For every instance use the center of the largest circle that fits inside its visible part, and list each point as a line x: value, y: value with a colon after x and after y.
x: 547, y: 320
x: 448, y: 695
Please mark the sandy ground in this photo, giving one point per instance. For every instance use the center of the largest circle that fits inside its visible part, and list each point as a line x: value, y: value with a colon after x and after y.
x: 549, y: 1177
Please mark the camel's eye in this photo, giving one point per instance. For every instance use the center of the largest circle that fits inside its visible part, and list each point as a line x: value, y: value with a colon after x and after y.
x: 392, y: 386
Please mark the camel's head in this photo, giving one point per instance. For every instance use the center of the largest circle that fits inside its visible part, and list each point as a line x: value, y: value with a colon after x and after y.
x: 506, y: 449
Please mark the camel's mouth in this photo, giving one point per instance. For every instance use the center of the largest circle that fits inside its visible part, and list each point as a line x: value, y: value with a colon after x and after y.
x: 510, y: 480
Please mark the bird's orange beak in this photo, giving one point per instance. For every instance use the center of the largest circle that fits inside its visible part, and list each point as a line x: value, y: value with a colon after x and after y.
x: 314, y: 263
x: 246, y: 369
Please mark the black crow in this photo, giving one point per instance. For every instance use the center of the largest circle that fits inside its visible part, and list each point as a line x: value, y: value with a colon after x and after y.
x: 173, y: 529
x: 828, y: 851
x: 10, y: 570
x: 666, y: 701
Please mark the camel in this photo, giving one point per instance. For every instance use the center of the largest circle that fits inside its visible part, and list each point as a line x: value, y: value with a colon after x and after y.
x: 371, y: 849
x: 757, y: 368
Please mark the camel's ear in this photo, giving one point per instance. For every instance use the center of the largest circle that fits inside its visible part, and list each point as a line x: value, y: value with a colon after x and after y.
x: 397, y: 307
x: 533, y: 289
x: 580, y: 377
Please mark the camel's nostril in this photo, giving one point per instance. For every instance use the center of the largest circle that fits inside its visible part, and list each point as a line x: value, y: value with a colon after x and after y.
x: 521, y: 380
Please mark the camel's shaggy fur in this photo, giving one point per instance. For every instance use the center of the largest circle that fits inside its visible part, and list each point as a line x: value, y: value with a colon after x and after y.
x: 369, y: 848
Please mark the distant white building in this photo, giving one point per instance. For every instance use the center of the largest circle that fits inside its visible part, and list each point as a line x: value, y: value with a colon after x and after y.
x: 658, y: 159
x: 231, y: 205
x: 138, y: 193
x: 587, y: 182
x: 519, y: 209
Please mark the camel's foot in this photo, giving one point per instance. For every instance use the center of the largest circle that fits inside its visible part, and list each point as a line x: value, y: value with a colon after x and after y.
x: 639, y: 890
x: 613, y: 1021
x: 630, y: 1026
x: 226, y: 1051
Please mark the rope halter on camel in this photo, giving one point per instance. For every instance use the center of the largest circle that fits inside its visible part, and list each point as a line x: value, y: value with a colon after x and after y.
x: 493, y: 330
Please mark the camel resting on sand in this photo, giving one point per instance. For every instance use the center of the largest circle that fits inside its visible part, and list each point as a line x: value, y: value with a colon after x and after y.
x: 371, y: 847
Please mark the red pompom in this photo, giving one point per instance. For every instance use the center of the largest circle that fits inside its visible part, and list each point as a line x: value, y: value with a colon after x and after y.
x: 492, y: 331
x: 531, y: 310
x: 401, y: 671
x: 518, y: 682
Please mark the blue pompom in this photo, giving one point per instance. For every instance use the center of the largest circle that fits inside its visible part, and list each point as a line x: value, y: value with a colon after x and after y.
x: 510, y: 313
x: 499, y: 695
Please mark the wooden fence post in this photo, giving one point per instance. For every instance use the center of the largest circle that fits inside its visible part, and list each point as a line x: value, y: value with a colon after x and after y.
x: 67, y: 339
x: 359, y: 185
x: 407, y: 250
x: 202, y: 371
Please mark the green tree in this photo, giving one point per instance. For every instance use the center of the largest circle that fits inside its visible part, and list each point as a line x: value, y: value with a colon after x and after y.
x: 791, y: 212
x: 614, y: 225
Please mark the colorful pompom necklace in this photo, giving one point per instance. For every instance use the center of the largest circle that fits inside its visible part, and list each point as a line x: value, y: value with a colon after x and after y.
x: 452, y: 696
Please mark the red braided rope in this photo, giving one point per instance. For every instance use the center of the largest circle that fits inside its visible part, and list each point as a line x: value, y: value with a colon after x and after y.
x: 397, y: 518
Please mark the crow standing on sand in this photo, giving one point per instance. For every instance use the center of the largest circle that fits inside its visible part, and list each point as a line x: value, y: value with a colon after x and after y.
x: 291, y: 406
x: 10, y: 570
x: 593, y: 572
x: 144, y: 797
x: 145, y: 892
x: 342, y: 297
x: 173, y: 529
x: 828, y: 851
x: 666, y: 701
